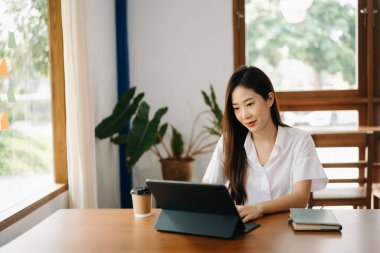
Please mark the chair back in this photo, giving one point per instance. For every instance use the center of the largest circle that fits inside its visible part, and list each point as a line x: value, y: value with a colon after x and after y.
x: 357, y: 192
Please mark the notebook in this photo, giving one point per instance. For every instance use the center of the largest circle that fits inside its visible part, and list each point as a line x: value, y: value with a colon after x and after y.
x: 197, y: 209
x: 314, y: 220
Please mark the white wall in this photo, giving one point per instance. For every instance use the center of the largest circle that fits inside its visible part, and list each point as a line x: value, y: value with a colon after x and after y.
x: 177, y: 48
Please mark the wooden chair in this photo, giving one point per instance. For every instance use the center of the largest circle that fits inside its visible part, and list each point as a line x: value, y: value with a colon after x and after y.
x: 376, y: 195
x: 358, y: 195
x: 376, y: 190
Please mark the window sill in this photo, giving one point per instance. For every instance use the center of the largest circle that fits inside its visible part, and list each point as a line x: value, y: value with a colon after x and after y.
x: 27, y: 206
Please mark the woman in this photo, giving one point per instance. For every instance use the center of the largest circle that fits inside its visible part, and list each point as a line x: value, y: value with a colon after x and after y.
x: 268, y: 166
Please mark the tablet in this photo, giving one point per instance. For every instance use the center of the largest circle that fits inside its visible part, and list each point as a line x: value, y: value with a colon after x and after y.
x: 199, y: 209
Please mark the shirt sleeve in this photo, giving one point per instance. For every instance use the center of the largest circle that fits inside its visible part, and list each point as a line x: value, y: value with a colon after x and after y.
x: 308, y: 166
x: 215, y: 170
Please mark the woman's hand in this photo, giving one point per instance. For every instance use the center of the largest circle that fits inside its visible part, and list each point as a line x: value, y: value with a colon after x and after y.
x: 297, y: 198
x: 250, y: 212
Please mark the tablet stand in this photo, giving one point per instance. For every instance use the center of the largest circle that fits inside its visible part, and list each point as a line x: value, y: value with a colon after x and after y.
x: 215, y: 225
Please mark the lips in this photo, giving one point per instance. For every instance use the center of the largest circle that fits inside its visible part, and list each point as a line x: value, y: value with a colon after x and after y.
x: 250, y: 124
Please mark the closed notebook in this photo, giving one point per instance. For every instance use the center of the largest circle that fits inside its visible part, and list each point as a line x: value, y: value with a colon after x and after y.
x: 314, y: 220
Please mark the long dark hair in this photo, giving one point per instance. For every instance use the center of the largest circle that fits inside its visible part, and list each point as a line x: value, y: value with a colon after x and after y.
x: 234, y: 133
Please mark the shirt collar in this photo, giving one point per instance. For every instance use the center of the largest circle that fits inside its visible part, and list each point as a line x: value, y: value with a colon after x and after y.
x: 280, y: 140
x: 279, y: 144
x: 248, y: 144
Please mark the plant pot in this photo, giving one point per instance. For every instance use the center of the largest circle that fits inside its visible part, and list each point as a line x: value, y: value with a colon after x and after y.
x: 177, y: 169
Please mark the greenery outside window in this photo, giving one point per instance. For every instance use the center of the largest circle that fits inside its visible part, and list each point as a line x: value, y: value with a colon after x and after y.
x: 26, y: 161
x: 33, y: 147
x: 320, y: 54
x: 303, y: 45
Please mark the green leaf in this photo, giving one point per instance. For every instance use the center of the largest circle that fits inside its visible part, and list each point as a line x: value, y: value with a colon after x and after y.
x: 120, y: 139
x: 124, y: 100
x: 215, y: 107
x: 213, y: 97
x: 210, y: 101
x: 143, y: 134
x: 212, y: 131
x: 177, y: 144
x: 206, y: 98
x: 120, y: 116
x: 162, y: 132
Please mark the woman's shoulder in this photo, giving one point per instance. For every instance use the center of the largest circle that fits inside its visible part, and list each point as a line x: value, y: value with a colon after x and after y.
x: 220, y: 143
x: 296, y: 134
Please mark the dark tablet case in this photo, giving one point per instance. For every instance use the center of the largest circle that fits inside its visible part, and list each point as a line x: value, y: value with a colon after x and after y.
x: 198, y: 209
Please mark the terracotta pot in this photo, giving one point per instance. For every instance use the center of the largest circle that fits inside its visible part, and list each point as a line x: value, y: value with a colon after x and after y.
x: 177, y: 169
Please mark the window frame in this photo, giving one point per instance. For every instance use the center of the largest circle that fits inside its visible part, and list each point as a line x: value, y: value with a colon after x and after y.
x: 57, y: 78
x: 364, y: 99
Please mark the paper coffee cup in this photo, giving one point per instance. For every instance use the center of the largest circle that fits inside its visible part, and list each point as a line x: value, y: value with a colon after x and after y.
x: 142, y: 201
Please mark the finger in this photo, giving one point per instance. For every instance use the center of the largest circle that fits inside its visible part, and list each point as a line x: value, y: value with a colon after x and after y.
x: 242, y: 210
x: 246, y: 219
x: 244, y: 214
x: 249, y: 217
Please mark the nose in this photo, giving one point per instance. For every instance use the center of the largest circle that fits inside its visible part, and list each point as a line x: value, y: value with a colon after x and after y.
x: 245, y: 114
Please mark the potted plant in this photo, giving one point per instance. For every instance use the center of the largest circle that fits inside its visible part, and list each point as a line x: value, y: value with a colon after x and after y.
x: 177, y: 162
x: 147, y: 134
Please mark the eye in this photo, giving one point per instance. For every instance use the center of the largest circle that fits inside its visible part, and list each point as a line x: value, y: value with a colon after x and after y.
x: 250, y: 104
x: 235, y: 108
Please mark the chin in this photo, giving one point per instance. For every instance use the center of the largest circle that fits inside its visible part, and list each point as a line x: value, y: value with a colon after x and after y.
x: 253, y: 129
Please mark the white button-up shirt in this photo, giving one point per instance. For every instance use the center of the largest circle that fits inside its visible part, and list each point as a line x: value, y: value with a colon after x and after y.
x: 293, y: 159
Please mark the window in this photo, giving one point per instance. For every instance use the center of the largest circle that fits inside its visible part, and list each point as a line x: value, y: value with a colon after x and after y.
x: 26, y: 163
x: 338, y: 119
x: 342, y: 77
x: 303, y: 45
x: 32, y: 146
x: 320, y: 54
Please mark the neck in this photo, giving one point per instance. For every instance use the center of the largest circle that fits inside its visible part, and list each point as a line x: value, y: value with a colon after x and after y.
x: 268, y: 134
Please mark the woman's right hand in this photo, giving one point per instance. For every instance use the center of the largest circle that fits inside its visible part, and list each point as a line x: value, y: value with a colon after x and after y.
x: 250, y: 212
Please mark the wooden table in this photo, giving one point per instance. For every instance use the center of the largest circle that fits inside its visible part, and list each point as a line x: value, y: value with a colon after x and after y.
x: 117, y: 230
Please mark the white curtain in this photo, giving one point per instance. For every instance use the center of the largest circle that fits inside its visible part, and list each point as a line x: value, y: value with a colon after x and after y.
x: 79, y: 108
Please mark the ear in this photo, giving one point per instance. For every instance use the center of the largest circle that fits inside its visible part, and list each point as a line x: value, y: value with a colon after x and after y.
x: 270, y: 99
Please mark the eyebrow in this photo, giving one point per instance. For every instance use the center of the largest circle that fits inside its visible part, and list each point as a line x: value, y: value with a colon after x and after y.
x: 245, y: 100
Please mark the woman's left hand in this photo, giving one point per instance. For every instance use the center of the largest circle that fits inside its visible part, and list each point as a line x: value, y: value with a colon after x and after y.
x: 249, y: 212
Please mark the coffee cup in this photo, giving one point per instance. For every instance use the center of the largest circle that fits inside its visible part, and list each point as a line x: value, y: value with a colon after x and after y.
x: 142, y: 201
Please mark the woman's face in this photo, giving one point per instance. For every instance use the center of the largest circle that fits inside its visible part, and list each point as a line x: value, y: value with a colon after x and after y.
x: 251, y: 109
